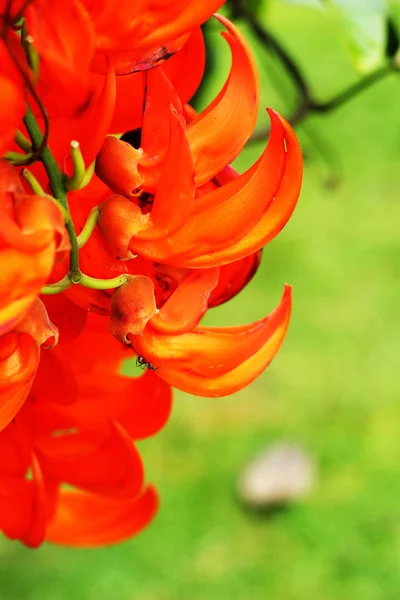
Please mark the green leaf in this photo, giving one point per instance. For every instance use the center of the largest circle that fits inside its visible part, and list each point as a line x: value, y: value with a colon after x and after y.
x: 362, y: 25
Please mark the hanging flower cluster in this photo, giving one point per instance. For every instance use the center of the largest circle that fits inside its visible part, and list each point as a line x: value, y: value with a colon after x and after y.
x: 121, y: 224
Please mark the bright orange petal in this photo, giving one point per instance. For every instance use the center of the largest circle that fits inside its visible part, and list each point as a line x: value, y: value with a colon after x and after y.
x: 211, y: 351
x: 274, y: 219
x: 220, y: 132
x: 86, y: 521
x: 241, y: 375
x: 19, y: 359
x: 188, y: 303
x: 232, y: 210
x: 108, y: 465
x: 174, y: 197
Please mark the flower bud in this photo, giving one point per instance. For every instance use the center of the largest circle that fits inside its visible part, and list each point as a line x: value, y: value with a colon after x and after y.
x: 119, y: 221
x: 132, y: 306
x: 117, y: 166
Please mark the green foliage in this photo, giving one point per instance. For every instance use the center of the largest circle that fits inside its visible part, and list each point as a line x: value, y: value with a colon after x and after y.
x: 361, y: 25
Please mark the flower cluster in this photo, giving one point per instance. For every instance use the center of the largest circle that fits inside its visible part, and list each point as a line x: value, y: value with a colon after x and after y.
x: 121, y: 224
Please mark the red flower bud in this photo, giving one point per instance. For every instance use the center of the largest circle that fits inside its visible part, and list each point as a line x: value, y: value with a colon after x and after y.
x: 132, y: 306
x: 116, y: 165
x: 119, y: 221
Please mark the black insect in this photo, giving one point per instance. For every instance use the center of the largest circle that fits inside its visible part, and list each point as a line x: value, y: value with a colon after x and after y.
x: 142, y: 363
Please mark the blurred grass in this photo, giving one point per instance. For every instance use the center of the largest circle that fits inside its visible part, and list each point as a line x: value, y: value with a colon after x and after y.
x: 333, y: 388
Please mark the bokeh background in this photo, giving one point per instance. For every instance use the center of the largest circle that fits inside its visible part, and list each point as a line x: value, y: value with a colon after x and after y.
x: 332, y: 389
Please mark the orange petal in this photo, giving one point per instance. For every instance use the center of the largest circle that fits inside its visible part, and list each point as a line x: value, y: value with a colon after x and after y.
x: 19, y: 359
x: 185, y: 71
x: 225, y: 383
x: 34, y: 535
x: 232, y: 210
x: 108, y: 465
x: 140, y: 36
x: 233, y: 278
x: 31, y: 230
x: 220, y: 132
x: 142, y: 405
x: 69, y: 318
x: 16, y: 506
x: 15, y: 449
x: 86, y: 521
x: 211, y: 351
x: 174, y: 197
x: 64, y: 39
x: 132, y: 306
x: 188, y: 303
x: 160, y: 95
x: 55, y: 380
x: 273, y: 220
x: 144, y: 408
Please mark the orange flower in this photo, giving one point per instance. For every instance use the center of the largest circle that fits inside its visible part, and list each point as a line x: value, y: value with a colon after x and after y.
x: 19, y: 359
x: 207, y: 216
x: 178, y: 232
x: 85, y: 441
x: 206, y: 361
x: 31, y: 232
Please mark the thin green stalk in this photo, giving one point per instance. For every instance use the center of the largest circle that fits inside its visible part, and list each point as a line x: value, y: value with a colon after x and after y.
x: 56, y: 179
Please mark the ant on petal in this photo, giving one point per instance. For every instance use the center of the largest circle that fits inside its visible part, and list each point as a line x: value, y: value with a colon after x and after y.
x: 142, y: 363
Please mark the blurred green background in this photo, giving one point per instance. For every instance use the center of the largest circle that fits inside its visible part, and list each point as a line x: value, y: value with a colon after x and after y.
x: 333, y: 387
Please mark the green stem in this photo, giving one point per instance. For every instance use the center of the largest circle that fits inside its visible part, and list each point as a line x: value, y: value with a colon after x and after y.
x: 89, y: 226
x: 23, y: 142
x: 56, y: 180
x: 56, y: 288
x: 103, y: 284
x: 33, y: 182
x: 75, y: 181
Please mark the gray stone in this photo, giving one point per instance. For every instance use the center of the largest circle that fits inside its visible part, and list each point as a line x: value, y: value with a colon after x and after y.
x: 278, y: 475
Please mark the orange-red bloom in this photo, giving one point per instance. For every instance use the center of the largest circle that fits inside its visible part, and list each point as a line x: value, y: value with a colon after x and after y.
x: 31, y: 232
x: 164, y: 230
x: 81, y: 436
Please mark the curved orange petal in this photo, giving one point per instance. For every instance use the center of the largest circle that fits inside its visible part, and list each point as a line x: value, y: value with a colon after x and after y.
x: 174, y: 197
x: 187, y: 304
x: 220, y: 132
x: 211, y: 351
x: 160, y: 96
x: 232, y: 210
x: 142, y: 405
x: 108, y: 465
x: 34, y: 535
x: 19, y: 359
x: 64, y: 39
x: 31, y: 231
x: 85, y: 520
x: 145, y: 406
x: 273, y: 220
x: 225, y: 383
